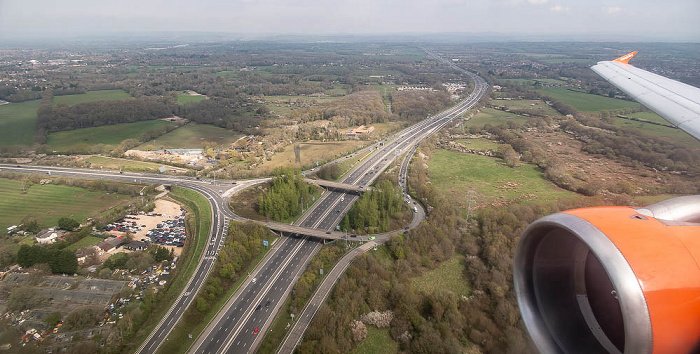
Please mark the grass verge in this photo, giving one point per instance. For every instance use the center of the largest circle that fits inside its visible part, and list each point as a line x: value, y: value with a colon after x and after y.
x: 303, y: 290
x: 128, y: 165
x: 178, y: 340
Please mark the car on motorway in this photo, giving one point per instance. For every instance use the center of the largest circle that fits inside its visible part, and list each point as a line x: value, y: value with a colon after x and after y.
x: 256, y: 330
x: 255, y: 280
x: 257, y: 308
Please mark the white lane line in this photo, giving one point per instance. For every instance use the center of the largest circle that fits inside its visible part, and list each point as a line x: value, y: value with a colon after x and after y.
x: 269, y: 285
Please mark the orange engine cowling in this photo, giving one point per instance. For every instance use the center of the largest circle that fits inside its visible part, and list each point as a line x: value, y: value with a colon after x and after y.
x: 613, y: 279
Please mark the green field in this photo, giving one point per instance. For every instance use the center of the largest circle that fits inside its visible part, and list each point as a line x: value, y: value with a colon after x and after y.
x: 107, y: 134
x: 568, y: 60
x: 18, y: 122
x: 672, y: 134
x: 650, y: 116
x: 48, y: 203
x: 310, y: 152
x: 532, y: 81
x: 284, y: 104
x: 338, y: 90
x: 191, y: 136
x: 86, y: 241
x: 228, y: 73
x: 185, y: 98
x: 586, y: 102
x: 448, y: 276
x: 377, y: 341
x: 479, y: 144
x: 377, y: 72
x: 494, y: 117
x: 535, y: 107
x: 128, y: 165
x: 92, y: 96
x: 455, y: 174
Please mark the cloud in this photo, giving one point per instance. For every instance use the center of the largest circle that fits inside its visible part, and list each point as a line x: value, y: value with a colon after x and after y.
x: 559, y: 8
x: 612, y: 10
x: 538, y: 2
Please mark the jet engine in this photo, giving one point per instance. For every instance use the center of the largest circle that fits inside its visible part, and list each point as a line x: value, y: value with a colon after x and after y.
x: 613, y: 279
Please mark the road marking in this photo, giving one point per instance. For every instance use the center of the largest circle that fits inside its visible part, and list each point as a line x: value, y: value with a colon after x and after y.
x: 269, y: 284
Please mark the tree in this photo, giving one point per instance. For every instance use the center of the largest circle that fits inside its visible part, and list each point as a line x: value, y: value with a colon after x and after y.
x: 82, y: 317
x: 25, y: 297
x: 27, y: 256
x: 52, y: 319
x: 161, y: 254
x: 68, y: 224
x: 509, y: 155
x: 30, y: 224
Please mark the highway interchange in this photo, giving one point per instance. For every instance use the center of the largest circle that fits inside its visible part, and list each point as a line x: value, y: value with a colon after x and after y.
x: 236, y: 329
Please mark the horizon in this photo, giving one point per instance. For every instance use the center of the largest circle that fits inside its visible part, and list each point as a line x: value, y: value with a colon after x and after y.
x: 560, y: 20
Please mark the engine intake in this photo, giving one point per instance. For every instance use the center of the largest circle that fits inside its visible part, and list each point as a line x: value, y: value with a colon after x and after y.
x: 612, y: 279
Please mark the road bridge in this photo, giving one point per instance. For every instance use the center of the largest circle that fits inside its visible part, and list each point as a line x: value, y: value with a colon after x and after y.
x: 305, y: 231
x: 337, y: 185
x: 236, y: 329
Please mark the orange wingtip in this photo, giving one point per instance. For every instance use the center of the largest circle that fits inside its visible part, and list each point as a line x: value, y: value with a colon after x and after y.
x: 625, y: 58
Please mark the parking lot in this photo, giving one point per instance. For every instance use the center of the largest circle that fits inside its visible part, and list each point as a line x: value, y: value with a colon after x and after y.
x: 164, y: 226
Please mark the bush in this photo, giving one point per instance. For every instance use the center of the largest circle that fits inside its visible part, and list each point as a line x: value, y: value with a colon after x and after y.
x: 68, y: 224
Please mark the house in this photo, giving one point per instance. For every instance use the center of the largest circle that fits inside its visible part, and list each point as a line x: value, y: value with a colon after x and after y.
x: 82, y: 254
x: 109, y: 245
x: 49, y: 236
x: 361, y: 130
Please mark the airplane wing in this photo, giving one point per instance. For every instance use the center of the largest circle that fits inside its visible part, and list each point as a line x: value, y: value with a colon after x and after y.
x: 675, y: 101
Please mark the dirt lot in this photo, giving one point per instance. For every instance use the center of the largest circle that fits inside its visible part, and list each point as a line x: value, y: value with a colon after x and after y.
x: 67, y: 293
x: 168, y: 209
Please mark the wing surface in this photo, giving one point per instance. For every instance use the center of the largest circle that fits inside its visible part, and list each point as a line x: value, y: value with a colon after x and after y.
x: 675, y: 101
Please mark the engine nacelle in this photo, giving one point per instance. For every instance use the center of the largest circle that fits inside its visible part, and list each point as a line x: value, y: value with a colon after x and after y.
x: 613, y: 279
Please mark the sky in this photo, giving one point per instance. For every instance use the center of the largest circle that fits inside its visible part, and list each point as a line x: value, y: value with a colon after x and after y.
x: 664, y: 20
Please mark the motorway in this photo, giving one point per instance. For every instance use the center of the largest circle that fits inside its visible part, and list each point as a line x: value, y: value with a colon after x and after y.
x: 242, y: 323
x: 302, y: 323
x: 257, y: 301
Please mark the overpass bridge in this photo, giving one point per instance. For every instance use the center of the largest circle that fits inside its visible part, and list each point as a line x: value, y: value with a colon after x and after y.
x: 337, y: 185
x: 328, y: 235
